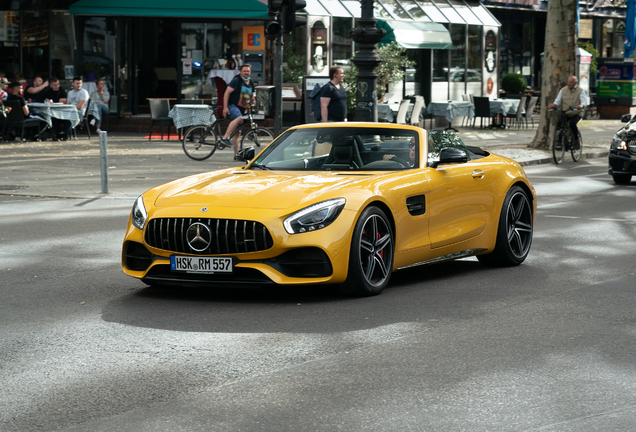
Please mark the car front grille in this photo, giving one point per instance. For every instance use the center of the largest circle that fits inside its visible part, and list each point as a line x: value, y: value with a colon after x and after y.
x: 216, y: 236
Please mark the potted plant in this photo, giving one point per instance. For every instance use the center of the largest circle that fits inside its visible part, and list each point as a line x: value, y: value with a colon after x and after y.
x: 92, y: 70
x: 514, y: 84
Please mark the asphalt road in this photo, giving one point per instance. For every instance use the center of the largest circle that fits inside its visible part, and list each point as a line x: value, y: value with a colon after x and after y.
x: 546, y: 346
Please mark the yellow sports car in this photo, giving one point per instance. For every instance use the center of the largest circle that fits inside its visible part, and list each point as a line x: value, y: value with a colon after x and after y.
x: 333, y: 203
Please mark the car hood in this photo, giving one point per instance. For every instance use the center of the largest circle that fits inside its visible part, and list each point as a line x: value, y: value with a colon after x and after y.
x: 258, y: 189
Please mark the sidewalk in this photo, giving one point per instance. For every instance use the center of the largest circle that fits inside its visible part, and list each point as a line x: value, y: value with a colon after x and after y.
x: 71, y: 169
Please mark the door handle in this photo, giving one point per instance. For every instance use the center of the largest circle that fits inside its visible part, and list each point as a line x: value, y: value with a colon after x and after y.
x: 478, y: 173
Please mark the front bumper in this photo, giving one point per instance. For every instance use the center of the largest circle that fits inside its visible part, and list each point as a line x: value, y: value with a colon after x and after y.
x: 621, y: 162
x: 317, y: 257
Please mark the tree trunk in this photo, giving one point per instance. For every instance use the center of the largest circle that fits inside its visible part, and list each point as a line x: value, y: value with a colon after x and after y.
x: 559, y: 63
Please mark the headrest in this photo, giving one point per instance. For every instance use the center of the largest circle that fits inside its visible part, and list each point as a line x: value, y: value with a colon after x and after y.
x: 344, y: 142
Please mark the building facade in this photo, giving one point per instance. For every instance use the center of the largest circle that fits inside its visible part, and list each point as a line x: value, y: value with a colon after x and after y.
x: 160, y: 49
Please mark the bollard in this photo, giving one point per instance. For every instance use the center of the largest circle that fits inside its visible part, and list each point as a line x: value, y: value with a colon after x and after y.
x: 103, y: 156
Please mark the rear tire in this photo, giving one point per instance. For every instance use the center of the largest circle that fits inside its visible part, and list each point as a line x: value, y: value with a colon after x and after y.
x: 622, y: 179
x: 577, y: 153
x: 259, y: 137
x: 558, y: 146
x: 199, y: 143
x: 514, y: 234
x: 371, y: 256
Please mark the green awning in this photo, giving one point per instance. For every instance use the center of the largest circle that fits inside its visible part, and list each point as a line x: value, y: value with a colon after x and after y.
x: 172, y: 8
x: 416, y: 34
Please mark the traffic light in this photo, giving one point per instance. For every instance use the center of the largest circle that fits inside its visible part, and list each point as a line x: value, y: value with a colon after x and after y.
x: 274, y: 6
x: 290, y: 20
x: 273, y: 29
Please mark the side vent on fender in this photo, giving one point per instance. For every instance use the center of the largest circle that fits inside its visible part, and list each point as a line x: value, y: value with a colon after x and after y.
x: 416, y: 205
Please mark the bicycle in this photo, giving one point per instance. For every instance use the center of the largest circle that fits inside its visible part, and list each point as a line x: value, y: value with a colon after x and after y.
x: 564, y: 140
x: 201, y: 141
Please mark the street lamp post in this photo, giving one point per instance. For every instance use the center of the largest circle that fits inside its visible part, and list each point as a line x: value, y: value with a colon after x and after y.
x: 367, y: 36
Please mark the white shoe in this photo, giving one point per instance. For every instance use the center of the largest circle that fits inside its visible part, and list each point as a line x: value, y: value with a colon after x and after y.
x: 99, y: 130
x: 93, y: 122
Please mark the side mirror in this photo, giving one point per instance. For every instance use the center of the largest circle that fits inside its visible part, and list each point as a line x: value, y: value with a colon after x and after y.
x: 626, y: 118
x: 452, y: 155
x: 246, y: 154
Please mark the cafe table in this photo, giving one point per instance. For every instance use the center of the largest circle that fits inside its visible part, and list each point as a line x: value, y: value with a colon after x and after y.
x: 61, y: 111
x: 500, y: 108
x: 450, y: 110
x: 184, y: 115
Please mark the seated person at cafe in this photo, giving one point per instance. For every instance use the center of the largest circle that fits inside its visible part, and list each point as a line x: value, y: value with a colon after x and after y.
x: 77, y: 97
x: 16, y: 95
x: 55, y: 94
x: 35, y: 91
x: 100, y: 98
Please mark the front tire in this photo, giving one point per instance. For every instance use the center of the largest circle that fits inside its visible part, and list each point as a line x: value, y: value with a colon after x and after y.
x: 371, y: 256
x: 259, y: 137
x: 577, y: 153
x: 199, y: 143
x: 514, y: 234
x: 622, y: 179
x: 558, y: 146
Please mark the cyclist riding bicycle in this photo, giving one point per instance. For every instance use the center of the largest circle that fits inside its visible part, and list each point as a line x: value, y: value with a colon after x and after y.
x: 237, y: 97
x: 572, y: 96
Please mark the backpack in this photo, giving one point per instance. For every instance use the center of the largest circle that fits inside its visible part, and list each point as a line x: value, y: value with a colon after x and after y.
x: 314, y: 102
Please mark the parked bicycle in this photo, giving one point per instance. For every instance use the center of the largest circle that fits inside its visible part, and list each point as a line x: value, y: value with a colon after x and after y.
x: 564, y: 139
x: 200, y: 142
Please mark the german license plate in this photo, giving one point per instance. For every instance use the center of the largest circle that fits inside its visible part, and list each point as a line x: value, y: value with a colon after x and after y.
x: 200, y: 264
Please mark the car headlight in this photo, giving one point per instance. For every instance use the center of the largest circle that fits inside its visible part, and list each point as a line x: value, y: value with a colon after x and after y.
x: 139, y: 213
x: 314, y: 217
x: 618, y: 142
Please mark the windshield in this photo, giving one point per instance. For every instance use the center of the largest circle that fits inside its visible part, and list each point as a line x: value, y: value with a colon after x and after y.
x: 342, y: 149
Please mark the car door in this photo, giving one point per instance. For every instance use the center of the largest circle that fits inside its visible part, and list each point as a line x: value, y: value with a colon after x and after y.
x: 461, y: 194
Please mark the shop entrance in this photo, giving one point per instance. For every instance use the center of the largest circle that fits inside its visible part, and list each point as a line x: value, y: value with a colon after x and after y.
x: 147, y: 48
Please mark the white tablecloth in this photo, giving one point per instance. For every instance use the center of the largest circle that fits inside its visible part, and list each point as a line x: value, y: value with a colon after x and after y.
x: 59, y: 111
x: 503, y: 106
x: 191, y: 115
x: 451, y: 109
x: 226, y: 74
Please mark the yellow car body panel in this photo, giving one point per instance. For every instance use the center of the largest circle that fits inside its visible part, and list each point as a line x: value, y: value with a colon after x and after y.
x: 463, y: 202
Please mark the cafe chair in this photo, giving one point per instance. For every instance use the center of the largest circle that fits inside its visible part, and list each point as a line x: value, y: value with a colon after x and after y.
x: 530, y: 110
x: 159, y: 110
x: 402, y: 110
x: 417, y: 111
x: 482, y: 109
x: 517, y: 117
x: 15, y: 119
x: 83, y: 122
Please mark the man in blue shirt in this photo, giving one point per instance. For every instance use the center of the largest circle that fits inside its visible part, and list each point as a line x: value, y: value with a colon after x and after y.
x: 238, y: 96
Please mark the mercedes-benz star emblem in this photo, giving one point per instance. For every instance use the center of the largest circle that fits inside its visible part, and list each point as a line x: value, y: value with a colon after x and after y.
x: 198, y: 236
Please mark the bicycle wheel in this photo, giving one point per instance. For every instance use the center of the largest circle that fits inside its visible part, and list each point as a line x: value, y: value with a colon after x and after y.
x: 558, y: 146
x: 577, y: 152
x: 259, y: 137
x: 199, y: 143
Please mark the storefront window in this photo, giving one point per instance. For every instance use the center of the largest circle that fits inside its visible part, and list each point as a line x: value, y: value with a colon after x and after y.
x: 61, y: 43
x: 474, y: 76
x: 9, y: 43
x: 98, y: 47
x: 35, y: 44
x: 458, y: 62
x: 440, y: 65
x: 203, y: 44
x: 342, y: 42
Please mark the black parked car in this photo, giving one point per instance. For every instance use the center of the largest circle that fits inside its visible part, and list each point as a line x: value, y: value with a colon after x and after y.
x: 622, y: 156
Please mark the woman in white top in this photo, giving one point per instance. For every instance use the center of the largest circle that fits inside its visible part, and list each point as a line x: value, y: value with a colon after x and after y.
x: 100, y: 98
